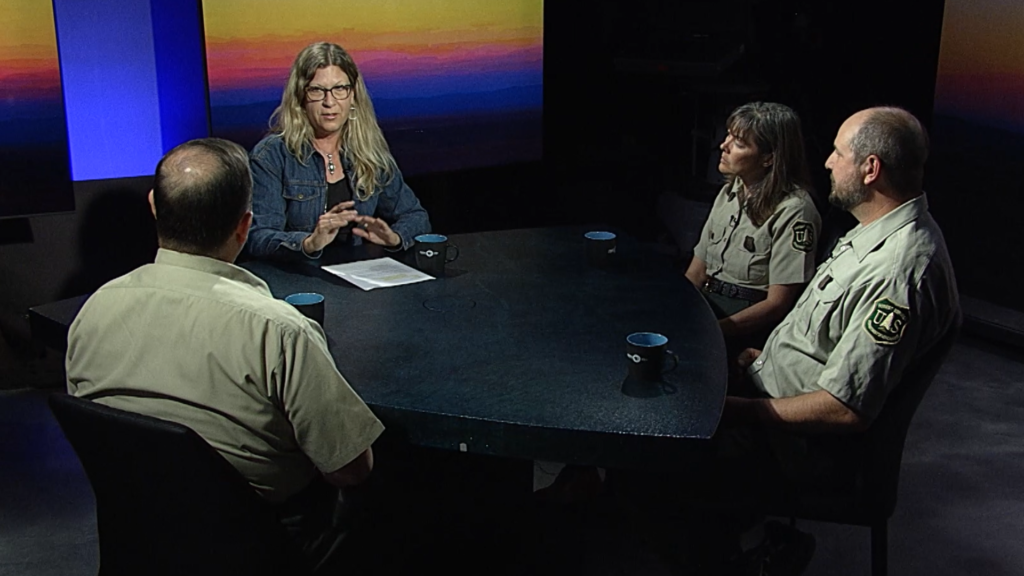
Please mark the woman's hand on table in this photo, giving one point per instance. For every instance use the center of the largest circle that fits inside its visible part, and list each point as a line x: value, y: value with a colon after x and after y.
x: 376, y: 231
x: 327, y: 226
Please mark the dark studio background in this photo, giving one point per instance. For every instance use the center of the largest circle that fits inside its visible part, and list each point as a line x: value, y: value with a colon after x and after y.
x: 634, y: 92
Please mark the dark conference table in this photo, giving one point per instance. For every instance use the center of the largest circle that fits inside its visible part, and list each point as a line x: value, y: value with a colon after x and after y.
x: 519, y: 351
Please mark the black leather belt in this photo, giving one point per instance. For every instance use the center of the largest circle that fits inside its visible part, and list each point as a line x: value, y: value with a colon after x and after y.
x: 716, y: 286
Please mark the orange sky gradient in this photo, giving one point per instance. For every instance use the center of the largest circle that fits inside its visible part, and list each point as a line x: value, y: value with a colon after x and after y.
x: 981, y: 61
x: 253, y: 63
x: 28, y: 50
x: 252, y: 43
x: 251, y: 19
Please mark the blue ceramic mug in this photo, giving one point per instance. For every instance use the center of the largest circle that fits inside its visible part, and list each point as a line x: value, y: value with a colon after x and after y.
x: 600, y: 247
x: 646, y: 353
x: 310, y: 304
x: 432, y: 253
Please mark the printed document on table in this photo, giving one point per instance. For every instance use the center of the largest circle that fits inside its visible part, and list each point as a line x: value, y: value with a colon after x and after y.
x: 378, y: 273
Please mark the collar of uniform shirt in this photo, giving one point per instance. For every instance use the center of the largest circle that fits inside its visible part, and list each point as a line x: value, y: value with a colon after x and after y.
x: 869, y: 237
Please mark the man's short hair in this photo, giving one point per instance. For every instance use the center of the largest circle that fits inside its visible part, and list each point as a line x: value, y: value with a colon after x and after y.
x: 899, y: 141
x: 202, y: 190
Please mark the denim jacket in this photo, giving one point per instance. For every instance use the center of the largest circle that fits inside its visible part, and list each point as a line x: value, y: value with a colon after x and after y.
x: 288, y: 198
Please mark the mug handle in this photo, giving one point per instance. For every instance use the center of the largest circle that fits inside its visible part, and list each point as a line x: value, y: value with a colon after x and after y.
x: 675, y: 361
x: 453, y: 258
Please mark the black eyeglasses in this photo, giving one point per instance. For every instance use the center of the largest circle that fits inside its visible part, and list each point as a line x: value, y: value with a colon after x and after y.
x: 340, y: 92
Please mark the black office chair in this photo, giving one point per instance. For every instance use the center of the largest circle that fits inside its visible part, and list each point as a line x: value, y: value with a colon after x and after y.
x: 167, y: 503
x: 871, y: 500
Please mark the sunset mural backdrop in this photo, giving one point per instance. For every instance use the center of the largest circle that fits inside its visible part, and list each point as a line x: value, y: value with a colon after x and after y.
x: 974, y: 177
x: 34, y: 167
x: 455, y: 83
x: 981, y: 63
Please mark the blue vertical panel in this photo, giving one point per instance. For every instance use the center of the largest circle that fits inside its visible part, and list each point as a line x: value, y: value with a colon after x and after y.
x: 180, y: 70
x: 108, y: 72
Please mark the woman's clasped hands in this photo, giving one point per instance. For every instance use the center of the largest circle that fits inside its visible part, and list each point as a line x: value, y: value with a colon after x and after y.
x: 328, y: 225
x: 368, y: 228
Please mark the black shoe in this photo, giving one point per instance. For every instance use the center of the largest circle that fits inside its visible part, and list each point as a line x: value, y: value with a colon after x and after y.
x: 787, y: 551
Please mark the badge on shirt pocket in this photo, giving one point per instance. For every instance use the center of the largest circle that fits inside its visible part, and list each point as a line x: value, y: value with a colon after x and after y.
x: 748, y: 244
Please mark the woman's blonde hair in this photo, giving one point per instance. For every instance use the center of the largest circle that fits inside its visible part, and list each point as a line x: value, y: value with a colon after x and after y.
x: 361, y: 137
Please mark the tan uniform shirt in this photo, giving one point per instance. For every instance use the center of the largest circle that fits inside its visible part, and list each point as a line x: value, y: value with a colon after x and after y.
x: 780, y: 251
x: 886, y: 294
x: 201, y: 342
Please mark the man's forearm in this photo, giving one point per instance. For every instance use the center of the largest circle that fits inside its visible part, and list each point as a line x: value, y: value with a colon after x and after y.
x: 813, y: 413
x: 763, y: 314
x: 753, y: 318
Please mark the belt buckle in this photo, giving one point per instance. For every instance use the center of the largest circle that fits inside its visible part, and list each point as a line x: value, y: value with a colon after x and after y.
x: 734, y: 291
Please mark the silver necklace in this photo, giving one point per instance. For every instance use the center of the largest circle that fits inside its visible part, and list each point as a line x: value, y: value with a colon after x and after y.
x: 330, y: 160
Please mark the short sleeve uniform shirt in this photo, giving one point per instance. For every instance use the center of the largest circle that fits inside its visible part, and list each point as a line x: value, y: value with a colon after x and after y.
x: 780, y: 251
x: 201, y: 342
x: 886, y: 294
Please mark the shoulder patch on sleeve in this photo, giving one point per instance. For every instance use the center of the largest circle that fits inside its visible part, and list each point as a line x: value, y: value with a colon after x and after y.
x: 803, y: 236
x: 886, y: 322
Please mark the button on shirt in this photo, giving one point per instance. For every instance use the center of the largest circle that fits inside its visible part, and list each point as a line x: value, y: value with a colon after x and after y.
x: 886, y: 294
x: 201, y: 342
x: 780, y: 251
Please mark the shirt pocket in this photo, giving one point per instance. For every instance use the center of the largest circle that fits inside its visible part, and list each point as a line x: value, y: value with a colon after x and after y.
x: 304, y: 203
x: 746, y: 258
x: 755, y: 262
x: 717, y: 235
x: 823, y: 301
x: 717, y: 232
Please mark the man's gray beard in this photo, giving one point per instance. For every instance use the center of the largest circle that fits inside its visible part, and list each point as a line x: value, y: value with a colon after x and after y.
x: 850, y: 199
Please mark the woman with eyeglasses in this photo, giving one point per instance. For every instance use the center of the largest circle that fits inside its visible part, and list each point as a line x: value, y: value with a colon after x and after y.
x: 325, y: 175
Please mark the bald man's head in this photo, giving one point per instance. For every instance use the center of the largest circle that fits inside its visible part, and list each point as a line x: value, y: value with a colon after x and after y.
x: 203, y: 189
x: 899, y: 141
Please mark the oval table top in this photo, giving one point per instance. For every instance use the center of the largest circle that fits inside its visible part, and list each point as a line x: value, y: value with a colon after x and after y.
x: 520, y: 350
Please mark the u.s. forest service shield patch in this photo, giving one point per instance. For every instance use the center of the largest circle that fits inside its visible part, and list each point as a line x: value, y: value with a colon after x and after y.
x: 887, y: 321
x: 803, y: 236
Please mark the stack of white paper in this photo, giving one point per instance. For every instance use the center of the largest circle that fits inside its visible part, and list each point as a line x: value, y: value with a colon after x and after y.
x: 379, y: 273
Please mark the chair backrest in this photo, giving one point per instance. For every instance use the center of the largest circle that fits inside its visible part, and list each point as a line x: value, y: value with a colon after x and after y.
x: 884, y: 440
x: 166, y: 502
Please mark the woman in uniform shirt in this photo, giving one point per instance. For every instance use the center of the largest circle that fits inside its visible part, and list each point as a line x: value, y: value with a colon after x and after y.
x: 758, y: 245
